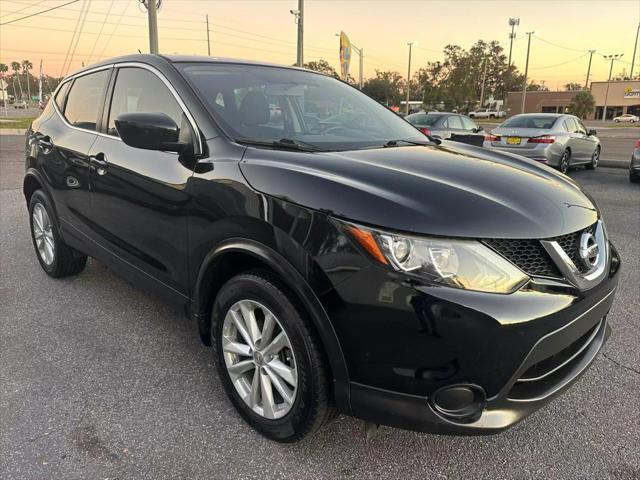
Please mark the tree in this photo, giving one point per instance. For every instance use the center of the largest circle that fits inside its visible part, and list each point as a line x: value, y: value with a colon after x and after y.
x: 26, y: 66
x: 537, y: 87
x: 386, y: 87
x: 571, y: 86
x: 322, y: 66
x: 582, y: 104
x: 15, y: 66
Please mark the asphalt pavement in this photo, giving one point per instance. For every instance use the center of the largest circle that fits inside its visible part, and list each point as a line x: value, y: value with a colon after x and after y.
x: 100, y: 380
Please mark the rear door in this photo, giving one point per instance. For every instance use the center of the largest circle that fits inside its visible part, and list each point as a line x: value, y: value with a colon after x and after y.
x: 578, y: 142
x: 65, y: 141
x: 138, y: 196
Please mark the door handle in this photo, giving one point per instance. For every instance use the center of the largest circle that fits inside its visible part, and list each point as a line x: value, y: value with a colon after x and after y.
x: 100, y: 162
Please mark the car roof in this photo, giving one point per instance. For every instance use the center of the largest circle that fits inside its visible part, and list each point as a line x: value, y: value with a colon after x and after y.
x: 157, y: 60
x: 550, y: 115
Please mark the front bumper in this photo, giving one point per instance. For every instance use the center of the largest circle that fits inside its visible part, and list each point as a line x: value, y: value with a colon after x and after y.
x: 410, y: 342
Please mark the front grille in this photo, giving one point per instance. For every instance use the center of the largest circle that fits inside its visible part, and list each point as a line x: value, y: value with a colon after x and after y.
x: 530, y: 256
x: 570, y: 243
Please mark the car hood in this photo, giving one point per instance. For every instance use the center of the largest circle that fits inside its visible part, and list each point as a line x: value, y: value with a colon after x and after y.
x: 451, y: 189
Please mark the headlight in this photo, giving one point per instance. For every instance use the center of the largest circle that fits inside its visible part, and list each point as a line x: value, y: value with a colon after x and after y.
x: 466, y: 264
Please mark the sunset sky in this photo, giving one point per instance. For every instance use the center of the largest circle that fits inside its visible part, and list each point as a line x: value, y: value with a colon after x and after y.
x: 265, y: 30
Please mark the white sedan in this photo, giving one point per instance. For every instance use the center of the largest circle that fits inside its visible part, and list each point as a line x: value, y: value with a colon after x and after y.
x: 627, y: 117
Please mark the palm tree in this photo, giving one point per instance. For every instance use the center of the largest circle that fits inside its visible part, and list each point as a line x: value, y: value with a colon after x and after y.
x: 26, y: 66
x: 4, y: 68
x: 582, y: 104
x: 15, y: 66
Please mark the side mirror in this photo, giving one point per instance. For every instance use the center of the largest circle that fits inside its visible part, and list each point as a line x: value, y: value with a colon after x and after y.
x: 149, y: 131
x: 478, y: 129
x: 592, y: 133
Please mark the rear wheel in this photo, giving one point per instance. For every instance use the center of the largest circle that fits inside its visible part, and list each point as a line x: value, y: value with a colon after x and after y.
x: 564, y: 162
x: 634, y: 177
x: 594, y: 160
x: 55, y: 257
x: 269, y: 358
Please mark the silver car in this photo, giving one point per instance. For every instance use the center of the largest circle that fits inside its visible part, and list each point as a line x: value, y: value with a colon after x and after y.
x: 445, y: 125
x: 555, y: 139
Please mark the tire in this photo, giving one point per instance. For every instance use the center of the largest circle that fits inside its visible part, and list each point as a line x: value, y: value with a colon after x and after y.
x: 632, y: 121
x: 565, y: 162
x: 492, y: 116
x: 616, y: 121
x: 634, y: 178
x: 594, y: 160
x: 472, y: 116
x: 309, y: 405
x: 56, y: 258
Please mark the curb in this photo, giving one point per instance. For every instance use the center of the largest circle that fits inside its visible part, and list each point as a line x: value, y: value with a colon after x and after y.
x: 12, y: 131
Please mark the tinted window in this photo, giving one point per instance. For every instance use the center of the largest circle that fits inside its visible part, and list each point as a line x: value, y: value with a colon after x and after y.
x: 270, y: 103
x: 453, y: 122
x: 530, y: 121
x: 468, y: 124
x: 62, y: 94
x: 85, y: 99
x: 139, y: 90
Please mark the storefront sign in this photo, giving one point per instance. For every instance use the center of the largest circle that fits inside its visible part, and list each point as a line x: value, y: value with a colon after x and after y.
x: 632, y: 92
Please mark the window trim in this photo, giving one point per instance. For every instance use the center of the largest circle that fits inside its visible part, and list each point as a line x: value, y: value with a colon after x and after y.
x: 109, y: 95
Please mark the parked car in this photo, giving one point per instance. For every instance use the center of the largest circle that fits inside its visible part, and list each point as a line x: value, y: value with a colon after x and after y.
x: 627, y: 117
x: 437, y: 287
x: 561, y: 141
x: 21, y: 104
x: 487, y: 113
x: 634, y: 166
x: 445, y: 125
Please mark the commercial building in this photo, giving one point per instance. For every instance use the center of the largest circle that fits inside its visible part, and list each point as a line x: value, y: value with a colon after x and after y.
x: 622, y: 97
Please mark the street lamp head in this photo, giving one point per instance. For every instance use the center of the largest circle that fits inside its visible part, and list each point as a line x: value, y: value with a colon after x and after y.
x: 514, y: 21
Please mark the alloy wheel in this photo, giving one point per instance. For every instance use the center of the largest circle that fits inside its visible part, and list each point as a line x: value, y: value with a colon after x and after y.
x: 43, y: 234
x: 595, y: 158
x: 259, y: 359
x: 564, y: 162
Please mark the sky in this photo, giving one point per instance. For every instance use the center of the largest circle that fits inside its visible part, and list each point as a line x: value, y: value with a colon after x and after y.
x: 265, y: 30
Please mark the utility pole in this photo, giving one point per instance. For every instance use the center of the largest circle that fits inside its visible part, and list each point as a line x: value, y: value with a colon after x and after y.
x: 152, y: 10
x: 408, y: 78
x: 208, y: 39
x: 299, y: 19
x: 613, y: 58
x: 512, y: 22
x: 633, y: 60
x: 586, y: 82
x: 526, y: 72
x: 484, y: 78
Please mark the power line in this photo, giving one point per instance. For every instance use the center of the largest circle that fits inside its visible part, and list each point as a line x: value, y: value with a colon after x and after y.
x: 559, y: 46
x: 561, y: 63
x: 23, y: 9
x: 38, y: 13
x: 95, y: 44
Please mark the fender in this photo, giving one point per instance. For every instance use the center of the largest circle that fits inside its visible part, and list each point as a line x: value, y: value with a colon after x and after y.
x: 297, y: 283
x: 33, y: 173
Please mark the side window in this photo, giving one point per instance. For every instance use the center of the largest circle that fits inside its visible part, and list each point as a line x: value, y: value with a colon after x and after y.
x: 139, y: 90
x: 62, y: 95
x: 454, y: 122
x: 468, y: 124
x: 571, y: 125
x: 85, y: 99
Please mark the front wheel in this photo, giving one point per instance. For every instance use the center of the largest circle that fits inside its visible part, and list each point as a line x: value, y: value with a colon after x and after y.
x: 594, y: 160
x: 634, y: 177
x: 55, y: 257
x: 269, y: 358
x: 564, y: 162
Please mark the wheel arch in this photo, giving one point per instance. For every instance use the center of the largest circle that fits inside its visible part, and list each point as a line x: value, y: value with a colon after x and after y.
x: 235, y: 255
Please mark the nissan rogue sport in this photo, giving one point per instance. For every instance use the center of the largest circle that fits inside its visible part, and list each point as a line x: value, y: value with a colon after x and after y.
x: 352, y: 265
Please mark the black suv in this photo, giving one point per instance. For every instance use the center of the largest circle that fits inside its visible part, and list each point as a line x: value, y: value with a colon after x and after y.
x: 334, y: 257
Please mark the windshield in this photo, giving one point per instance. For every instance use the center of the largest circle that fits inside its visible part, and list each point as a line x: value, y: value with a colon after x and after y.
x: 530, y: 121
x: 268, y: 104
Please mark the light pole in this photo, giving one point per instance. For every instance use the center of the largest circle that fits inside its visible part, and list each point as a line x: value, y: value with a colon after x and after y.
x: 360, y: 52
x: 512, y: 23
x: 299, y: 19
x: 408, y: 78
x: 633, y: 60
x: 484, y: 79
x: 586, y: 82
x: 526, y: 72
x: 606, y: 95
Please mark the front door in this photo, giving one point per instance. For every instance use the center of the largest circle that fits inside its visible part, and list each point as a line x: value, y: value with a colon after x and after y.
x: 138, y: 196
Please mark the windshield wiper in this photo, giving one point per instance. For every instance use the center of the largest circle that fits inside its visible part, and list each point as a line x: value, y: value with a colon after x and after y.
x: 286, y: 143
x: 395, y: 143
